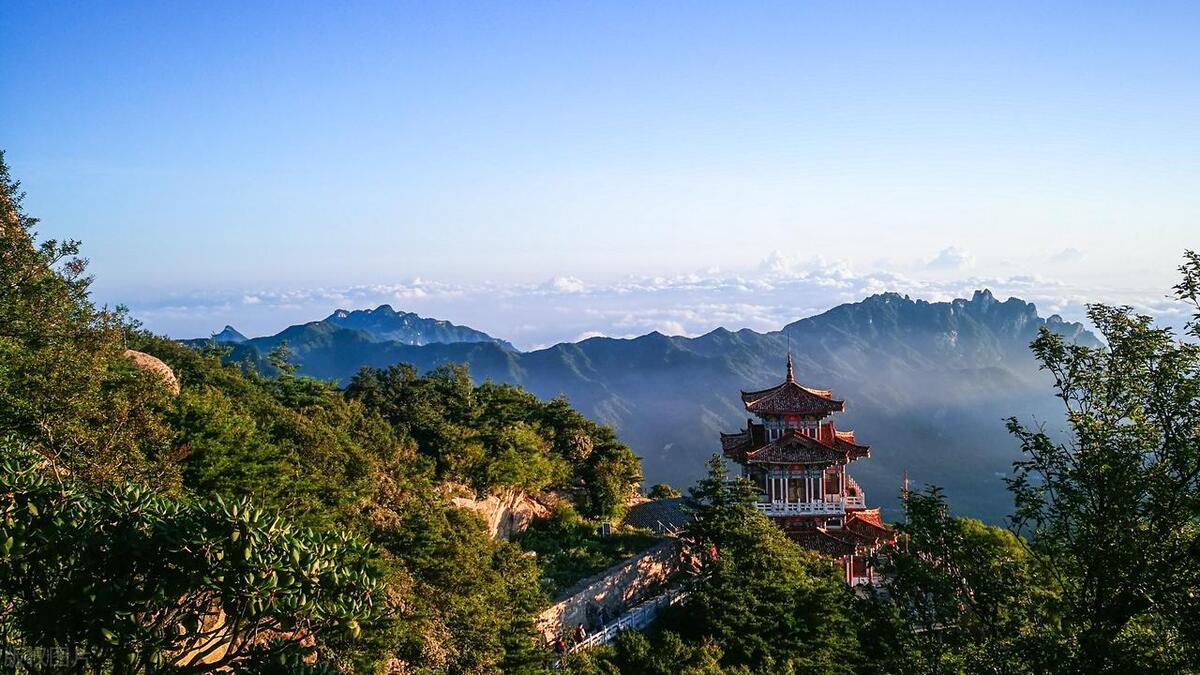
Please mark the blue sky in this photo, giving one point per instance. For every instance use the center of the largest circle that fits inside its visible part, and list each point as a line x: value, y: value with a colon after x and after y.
x: 508, y: 165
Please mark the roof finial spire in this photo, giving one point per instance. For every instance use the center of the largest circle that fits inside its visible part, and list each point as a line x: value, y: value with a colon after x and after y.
x: 791, y: 375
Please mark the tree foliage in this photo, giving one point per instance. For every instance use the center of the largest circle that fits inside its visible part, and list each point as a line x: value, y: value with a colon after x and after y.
x: 63, y: 385
x: 760, y: 604
x: 128, y: 578
x: 1100, y: 573
x: 957, y: 596
x: 663, y: 491
x: 499, y: 436
x: 769, y: 605
x: 665, y: 653
x: 570, y: 548
x: 1111, y: 512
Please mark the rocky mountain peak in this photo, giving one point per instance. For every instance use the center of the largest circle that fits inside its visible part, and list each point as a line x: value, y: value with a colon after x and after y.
x: 983, y: 297
x: 229, y: 334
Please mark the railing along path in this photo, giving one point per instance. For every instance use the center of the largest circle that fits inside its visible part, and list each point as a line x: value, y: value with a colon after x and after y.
x: 638, y: 617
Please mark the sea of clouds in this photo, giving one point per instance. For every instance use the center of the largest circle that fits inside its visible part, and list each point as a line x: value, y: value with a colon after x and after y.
x: 781, y: 289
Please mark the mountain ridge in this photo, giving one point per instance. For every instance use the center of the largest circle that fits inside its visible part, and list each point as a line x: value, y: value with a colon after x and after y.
x: 382, y: 324
x: 385, y: 324
x: 928, y: 384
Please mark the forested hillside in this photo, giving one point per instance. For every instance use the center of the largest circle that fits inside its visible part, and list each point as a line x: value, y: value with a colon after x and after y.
x: 197, y: 515
x: 164, y: 511
x: 927, y: 384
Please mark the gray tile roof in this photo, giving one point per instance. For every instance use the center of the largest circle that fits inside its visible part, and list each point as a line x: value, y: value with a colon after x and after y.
x: 664, y: 516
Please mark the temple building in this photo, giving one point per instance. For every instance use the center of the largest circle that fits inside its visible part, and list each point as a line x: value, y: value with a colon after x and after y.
x: 798, y: 459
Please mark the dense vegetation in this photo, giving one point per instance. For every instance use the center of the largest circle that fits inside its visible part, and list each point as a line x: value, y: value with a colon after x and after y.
x: 141, y: 580
x: 499, y: 436
x: 761, y: 603
x: 335, y: 539
x: 570, y: 548
x: 282, y: 524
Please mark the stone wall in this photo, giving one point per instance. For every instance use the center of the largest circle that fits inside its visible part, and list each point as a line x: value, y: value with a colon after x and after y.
x: 601, y: 598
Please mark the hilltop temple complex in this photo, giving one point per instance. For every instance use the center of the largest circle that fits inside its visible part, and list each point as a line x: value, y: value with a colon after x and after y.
x: 797, y: 460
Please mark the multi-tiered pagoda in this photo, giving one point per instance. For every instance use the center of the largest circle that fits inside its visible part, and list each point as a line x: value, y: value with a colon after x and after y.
x: 798, y: 461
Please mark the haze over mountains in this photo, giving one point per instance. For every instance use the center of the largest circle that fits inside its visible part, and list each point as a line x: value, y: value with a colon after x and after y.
x: 927, y: 385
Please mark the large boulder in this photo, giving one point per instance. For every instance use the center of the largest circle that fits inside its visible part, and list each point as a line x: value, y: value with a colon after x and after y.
x: 150, y: 364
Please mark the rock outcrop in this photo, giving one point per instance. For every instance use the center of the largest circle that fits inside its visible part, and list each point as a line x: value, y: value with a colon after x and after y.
x: 506, y: 514
x: 150, y: 364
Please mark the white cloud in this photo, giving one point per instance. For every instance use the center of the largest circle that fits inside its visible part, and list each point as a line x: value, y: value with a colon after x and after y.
x: 566, y: 308
x: 672, y: 328
x: 1067, y: 255
x: 588, y: 334
x: 952, y: 257
x: 410, y: 293
x: 566, y: 285
x: 777, y: 262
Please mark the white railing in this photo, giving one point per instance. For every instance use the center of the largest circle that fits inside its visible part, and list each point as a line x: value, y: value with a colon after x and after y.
x: 827, y: 507
x: 636, y: 618
x: 858, y: 501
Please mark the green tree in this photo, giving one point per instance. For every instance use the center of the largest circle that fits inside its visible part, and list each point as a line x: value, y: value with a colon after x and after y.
x: 499, y: 436
x: 663, y: 491
x: 609, y: 478
x: 64, y: 386
x: 766, y: 603
x: 130, y: 580
x: 958, y: 596
x: 280, y: 359
x: 666, y: 654
x: 456, y: 602
x: 1111, y: 511
x: 570, y: 548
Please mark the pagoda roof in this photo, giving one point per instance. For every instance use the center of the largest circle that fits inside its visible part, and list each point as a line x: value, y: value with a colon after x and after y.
x: 793, y: 447
x: 734, y: 441
x: 791, y: 398
x: 860, y: 530
x: 867, y: 524
x: 736, y: 445
x: 823, y: 541
x: 843, y: 440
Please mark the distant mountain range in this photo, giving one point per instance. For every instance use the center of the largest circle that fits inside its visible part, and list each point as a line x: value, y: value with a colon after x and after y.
x: 927, y: 385
x: 382, y: 325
